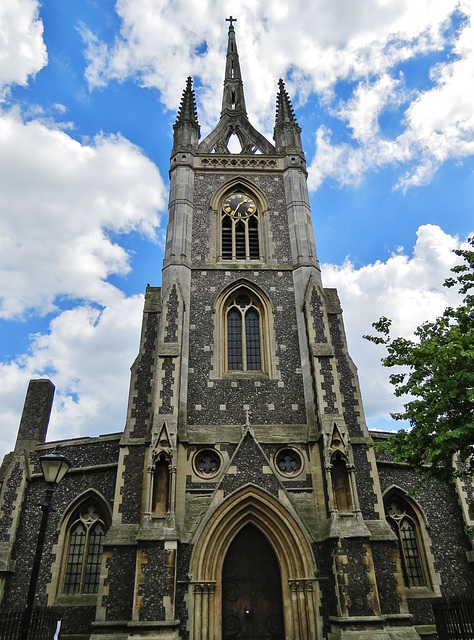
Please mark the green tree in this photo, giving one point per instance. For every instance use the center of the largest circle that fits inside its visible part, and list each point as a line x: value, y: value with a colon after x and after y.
x: 440, y: 383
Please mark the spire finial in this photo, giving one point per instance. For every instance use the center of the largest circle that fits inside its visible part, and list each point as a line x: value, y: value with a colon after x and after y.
x: 284, y: 110
x: 287, y: 132
x: 187, y: 108
x: 231, y: 20
x: 186, y: 128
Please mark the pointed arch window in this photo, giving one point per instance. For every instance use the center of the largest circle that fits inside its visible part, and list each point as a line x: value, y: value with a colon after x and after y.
x: 243, y: 334
x: 406, y: 525
x: 239, y: 228
x: 85, y: 538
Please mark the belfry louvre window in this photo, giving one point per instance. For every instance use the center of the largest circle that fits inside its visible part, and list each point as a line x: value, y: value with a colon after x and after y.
x: 404, y: 523
x: 239, y: 240
x: 84, y: 554
x: 243, y: 334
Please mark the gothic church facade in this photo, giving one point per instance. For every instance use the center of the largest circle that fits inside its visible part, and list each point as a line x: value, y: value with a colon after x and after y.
x: 242, y: 499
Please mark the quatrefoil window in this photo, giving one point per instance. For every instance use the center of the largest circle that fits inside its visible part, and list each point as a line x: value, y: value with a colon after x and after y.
x: 288, y: 462
x: 207, y: 463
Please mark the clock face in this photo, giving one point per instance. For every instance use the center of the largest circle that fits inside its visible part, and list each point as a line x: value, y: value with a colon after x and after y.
x: 239, y: 205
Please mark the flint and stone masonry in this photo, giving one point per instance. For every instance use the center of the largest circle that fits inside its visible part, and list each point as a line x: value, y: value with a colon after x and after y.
x: 242, y: 498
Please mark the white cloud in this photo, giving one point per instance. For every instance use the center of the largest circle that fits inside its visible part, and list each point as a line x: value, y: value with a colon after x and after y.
x: 438, y: 123
x: 22, y: 50
x: 60, y: 200
x: 87, y: 352
x: 363, y: 110
x: 406, y: 289
x: 54, y: 232
x: 316, y: 45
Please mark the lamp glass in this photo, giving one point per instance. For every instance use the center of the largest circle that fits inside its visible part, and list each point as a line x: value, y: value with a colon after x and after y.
x: 55, y: 466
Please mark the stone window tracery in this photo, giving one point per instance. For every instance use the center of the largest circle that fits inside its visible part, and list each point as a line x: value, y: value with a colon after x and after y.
x: 244, y: 341
x: 288, y: 462
x: 207, y: 463
x: 243, y: 335
x: 85, y: 537
x: 405, y: 524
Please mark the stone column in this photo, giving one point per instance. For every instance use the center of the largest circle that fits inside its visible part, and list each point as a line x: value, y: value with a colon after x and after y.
x: 303, y: 609
x: 204, y: 619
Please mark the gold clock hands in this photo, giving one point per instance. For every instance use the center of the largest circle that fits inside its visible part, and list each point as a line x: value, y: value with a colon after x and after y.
x: 241, y: 202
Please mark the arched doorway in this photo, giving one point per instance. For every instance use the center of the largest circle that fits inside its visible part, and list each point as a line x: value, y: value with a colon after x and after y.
x: 252, y: 606
x: 253, y: 506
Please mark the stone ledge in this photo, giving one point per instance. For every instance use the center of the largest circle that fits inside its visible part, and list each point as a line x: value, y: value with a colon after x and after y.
x: 122, y: 535
x: 320, y: 349
x: 169, y: 349
x: 425, y: 630
x: 154, y: 623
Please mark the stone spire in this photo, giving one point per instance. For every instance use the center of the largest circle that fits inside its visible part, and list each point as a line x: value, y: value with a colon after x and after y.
x: 234, y: 118
x: 233, y: 100
x: 287, y: 132
x: 186, y: 128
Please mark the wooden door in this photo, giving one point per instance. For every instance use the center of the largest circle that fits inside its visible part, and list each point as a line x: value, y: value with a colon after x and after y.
x: 252, y: 607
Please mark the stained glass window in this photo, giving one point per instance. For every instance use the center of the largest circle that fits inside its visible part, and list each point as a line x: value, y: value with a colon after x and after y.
x: 288, y: 462
x: 94, y: 558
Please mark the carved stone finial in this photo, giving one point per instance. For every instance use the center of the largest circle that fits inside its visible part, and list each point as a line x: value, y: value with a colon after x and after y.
x: 284, y: 109
x: 287, y: 132
x: 187, y: 109
x: 186, y: 128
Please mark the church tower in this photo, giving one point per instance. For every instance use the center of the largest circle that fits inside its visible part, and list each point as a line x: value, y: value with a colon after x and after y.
x: 247, y: 502
x: 242, y: 501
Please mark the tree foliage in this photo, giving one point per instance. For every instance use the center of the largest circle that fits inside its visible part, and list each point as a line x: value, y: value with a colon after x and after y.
x: 440, y: 383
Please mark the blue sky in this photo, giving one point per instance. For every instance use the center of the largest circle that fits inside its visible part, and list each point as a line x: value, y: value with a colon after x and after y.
x: 382, y: 89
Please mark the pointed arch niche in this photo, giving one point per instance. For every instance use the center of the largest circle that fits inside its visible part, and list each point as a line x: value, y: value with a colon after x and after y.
x: 244, y: 343
x: 240, y: 239
x: 161, y: 477
x: 253, y: 506
x: 340, y: 474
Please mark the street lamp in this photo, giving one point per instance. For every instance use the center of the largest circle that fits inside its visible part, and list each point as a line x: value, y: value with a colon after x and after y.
x: 54, y: 466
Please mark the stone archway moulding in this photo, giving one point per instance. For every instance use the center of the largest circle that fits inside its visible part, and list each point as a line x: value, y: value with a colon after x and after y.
x: 252, y: 505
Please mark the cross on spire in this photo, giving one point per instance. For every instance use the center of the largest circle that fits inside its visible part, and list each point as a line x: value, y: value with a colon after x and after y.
x: 231, y: 20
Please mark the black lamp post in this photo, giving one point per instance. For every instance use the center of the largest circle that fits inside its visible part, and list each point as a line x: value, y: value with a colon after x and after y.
x: 54, y: 466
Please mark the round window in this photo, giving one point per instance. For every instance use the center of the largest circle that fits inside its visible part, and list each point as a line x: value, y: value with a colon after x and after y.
x: 288, y: 462
x: 207, y: 463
